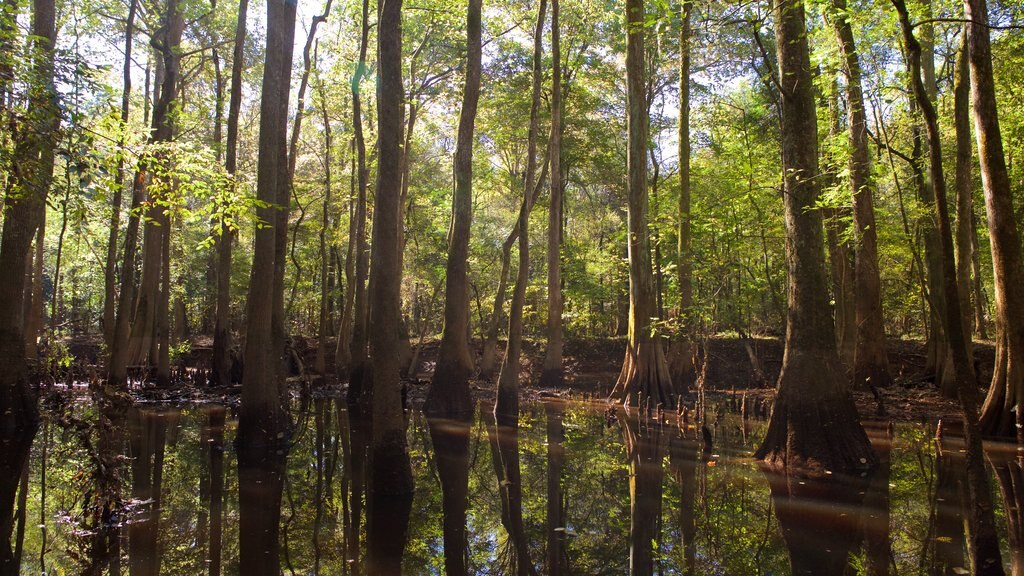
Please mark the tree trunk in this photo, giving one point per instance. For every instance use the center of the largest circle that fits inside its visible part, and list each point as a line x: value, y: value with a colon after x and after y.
x: 870, y: 362
x: 343, y: 352
x: 644, y: 369
x: 506, y: 405
x: 449, y: 389
x: 964, y: 203
x: 225, y: 238
x: 984, y: 541
x: 681, y: 365
x: 557, y: 559
x: 324, y: 329
x: 32, y: 174
x: 814, y: 424
x: 1006, y: 394
x: 646, y: 441
x: 551, y: 374
x: 262, y: 418
x: 450, y: 439
x: 391, y: 481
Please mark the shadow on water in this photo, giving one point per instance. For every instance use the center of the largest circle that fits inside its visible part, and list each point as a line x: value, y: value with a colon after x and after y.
x: 568, y: 488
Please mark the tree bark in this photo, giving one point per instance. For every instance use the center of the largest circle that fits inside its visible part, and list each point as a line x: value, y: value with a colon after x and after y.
x: 262, y: 418
x: 964, y: 203
x: 984, y: 541
x: 449, y: 389
x: 814, y: 424
x: 1006, y: 394
x: 870, y: 362
x: 551, y: 373
x: 506, y: 405
x: 32, y: 174
x: 644, y: 369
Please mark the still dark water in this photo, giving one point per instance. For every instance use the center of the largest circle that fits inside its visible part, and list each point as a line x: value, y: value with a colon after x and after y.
x: 577, y: 491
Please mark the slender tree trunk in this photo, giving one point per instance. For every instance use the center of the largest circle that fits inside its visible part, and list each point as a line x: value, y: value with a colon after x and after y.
x: 343, y: 352
x: 814, y: 424
x: 980, y: 323
x: 34, y: 296
x: 262, y: 418
x: 644, y: 369
x: 681, y: 356
x: 110, y: 267
x: 449, y: 389
x: 506, y: 405
x: 324, y: 330
x: 984, y: 541
x: 870, y: 362
x: 163, y: 368
x: 32, y: 174
x: 228, y: 229
x: 357, y: 345
x: 391, y: 481
x: 964, y: 203
x: 551, y: 374
x: 1003, y: 411
x: 556, y: 510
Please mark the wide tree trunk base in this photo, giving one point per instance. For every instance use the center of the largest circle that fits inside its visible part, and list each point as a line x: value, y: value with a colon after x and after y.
x: 644, y: 377
x: 552, y: 378
x: 1001, y: 414
x: 449, y: 395
x: 814, y: 427
x: 682, y: 366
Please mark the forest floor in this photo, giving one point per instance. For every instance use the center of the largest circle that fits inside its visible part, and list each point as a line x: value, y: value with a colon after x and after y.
x: 591, y: 368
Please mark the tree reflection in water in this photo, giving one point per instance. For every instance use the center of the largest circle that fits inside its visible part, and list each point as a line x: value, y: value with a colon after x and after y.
x: 569, y: 489
x: 14, y: 450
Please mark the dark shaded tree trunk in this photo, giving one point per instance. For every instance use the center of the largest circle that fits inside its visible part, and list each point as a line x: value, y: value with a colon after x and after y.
x: 24, y: 202
x: 964, y: 202
x: 262, y: 418
x: 506, y: 404
x: 814, y: 424
x: 14, y: 452
x: 557, y: 558
x: 644, y: 370
x: 260, y: 485
x: 551, y: 373
x: 1003, y: 411
x: 503, y: 435
x: 683, y: 461
x: 870, y: 362
x: 646, y: 441
x: 451, y: 450
x: 391, y: 482
x: 449, y: 388
x: 148, y: 441
x: 983, y: 542
x: 1009, y: 473
x: 228, y: 230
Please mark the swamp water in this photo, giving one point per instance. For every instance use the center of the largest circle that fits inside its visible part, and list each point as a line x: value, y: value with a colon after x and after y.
x: 579, y: 490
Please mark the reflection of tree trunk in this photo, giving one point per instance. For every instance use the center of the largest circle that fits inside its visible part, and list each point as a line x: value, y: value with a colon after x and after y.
x: 1009, y: 473
x: 148, y: 436
x: 354, y: 483
x: 557, y: 561
x: 14, y: 451
x: 819, y: 520
x: 106, y: 529
x: 451, y: 448
x: 947, y: 519
x: 645, y: 442
x: 216, y: 434
x: 504, y: 438
x: 683, y: 453
x: 876, y: 507
x: 260, y: 483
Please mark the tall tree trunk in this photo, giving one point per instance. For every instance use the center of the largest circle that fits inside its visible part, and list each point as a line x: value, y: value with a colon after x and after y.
x: 324, y: 330
x: 110, y: 267
x: 644, y: 369
x: 228, y: 230
x: 983, y: 542
x: 34, y: 294
x: 1003, y: 411
x: 870, y: 362
x: 681, y: 365
x: 391, y: 481
x: 343, y: 352
x: 506, y: 405
x: 357, y: 345
x: 32, y: 174
x: 262, y: 418
x: 449, y: 389
x: 814, y: 424
x: 551, y: 375
x: 964, y: 202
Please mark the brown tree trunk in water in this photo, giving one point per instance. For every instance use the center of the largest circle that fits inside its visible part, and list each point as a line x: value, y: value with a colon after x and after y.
x: 1009, y: 473
x: 964, y: 203
x: 110, y: 266
x: 681, y: 365
x: 1006, y: 394
x: 557, y: 559
x: 644, y: 369
x: 984, y: 541
x: 506, y: 405
x: 222, y: 319
x: 503, y: 436
x: 357, y: 345
x: 14, y: 457
x: 870, y: 362
x: 683, y: 456
x: 262, y: 418
x: 551, y: 374
x: 646, y: 441
x: 450, y: 439
x: 32, y: 174
x: 260, y: 486
x: 814, y: 424
x: 391, y: 482
x: 449, y: 388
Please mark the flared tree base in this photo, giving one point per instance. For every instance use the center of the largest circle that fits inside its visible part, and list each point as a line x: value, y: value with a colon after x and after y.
x: 644, y: 378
